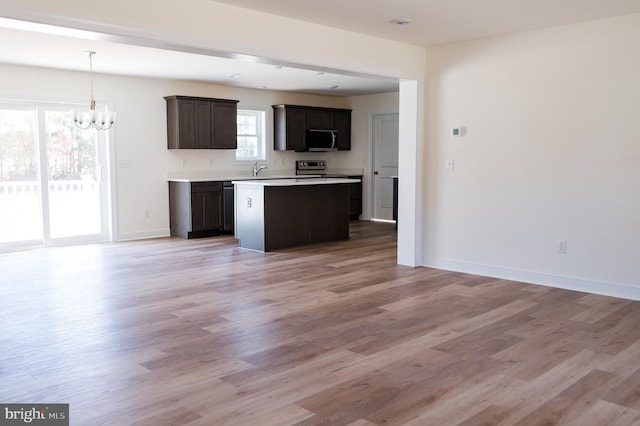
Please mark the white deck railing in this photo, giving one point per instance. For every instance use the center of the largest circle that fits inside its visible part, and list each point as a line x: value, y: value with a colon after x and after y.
x: 32, y: 187
x: 73, y: 209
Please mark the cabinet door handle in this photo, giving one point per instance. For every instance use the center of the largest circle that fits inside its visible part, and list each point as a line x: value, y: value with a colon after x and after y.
x: 375, y: 173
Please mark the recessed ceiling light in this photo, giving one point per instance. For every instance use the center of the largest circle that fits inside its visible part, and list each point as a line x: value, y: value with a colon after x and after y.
x: 319, y: 73
x: 261, y: 87
x: 234, y: 75
x: 401, y: 21
x: 276, y: 67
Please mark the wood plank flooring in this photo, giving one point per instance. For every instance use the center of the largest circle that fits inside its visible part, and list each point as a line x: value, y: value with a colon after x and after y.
x: 200, y: 332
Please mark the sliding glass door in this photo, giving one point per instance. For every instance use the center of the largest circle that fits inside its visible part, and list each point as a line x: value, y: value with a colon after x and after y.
x: 20, y: 204
x: 51, y: 177
x: 73, y: 177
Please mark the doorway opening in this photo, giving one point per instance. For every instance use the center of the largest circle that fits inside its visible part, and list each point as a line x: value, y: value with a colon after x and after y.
x: 385, y: 165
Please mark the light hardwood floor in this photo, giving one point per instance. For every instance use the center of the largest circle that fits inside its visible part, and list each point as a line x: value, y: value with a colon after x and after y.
x: 200, y: 332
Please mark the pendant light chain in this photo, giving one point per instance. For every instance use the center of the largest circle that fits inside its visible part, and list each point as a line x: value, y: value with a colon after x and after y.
x: 93, y: 101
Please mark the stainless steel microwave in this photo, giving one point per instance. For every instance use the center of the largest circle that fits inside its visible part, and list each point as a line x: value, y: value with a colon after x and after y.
x: 321, y: 140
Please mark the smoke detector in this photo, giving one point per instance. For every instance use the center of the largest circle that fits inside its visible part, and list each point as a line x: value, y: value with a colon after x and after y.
x: 401, y: 21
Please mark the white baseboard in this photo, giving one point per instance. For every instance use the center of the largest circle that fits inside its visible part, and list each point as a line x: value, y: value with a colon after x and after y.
x: 568, y: 283
x: 155, y: 233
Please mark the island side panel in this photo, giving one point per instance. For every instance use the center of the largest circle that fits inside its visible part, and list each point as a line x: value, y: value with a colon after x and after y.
x: 249, y: 216
x: 180, y: 209
x: 286, y: 216
x: 329, y: 213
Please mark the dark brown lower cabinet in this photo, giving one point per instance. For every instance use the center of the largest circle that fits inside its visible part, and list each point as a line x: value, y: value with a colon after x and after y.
x: 299, y: 215
x: 286, y: 216
x: 355, y: 198
x: 328, y: 213
x: 195, y: 209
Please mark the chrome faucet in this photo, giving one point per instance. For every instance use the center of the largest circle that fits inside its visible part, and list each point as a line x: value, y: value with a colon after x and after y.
x: 257, y: 169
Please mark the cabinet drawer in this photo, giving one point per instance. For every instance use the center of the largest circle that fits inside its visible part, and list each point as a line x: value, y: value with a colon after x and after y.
x: 206, y: 186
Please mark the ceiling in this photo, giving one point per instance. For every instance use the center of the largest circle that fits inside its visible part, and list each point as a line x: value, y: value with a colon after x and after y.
x: 432, y: 22
x: 441, y: 21
x: 63, y: 52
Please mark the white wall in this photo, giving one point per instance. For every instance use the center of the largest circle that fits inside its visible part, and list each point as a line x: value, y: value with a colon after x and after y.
x: 552, y: 153
x: 140, y: 135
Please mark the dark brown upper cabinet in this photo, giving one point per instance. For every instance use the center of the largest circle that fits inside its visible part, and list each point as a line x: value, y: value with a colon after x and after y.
x: 320, y: 119
x: 201, y: 123
x: 291, y: 122
x: 289, y: 128
x: 342, y: 123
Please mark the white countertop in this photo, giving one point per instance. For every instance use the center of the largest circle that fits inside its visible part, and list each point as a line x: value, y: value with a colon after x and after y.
x: 236, y: 178
x: 231, y: 175
x: 294, y: 182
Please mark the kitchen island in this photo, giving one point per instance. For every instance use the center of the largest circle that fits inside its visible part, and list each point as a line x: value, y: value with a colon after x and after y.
x: 280, y: 213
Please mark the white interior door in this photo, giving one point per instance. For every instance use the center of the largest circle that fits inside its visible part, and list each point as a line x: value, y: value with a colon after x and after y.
x: 385, y: 164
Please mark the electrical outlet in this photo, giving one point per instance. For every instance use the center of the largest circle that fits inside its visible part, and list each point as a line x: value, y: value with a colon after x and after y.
x: 562, y: 247
x: 249, y: 202
x: 147, y: 214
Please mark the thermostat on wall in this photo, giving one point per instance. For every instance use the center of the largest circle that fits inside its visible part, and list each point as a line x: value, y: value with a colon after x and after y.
x: 457, y: 132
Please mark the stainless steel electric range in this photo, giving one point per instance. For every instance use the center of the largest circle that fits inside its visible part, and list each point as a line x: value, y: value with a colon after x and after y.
x: 315, y: 167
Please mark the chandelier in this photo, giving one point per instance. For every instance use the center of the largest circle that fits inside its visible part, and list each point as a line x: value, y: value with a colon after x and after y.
x: 100, y: 120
